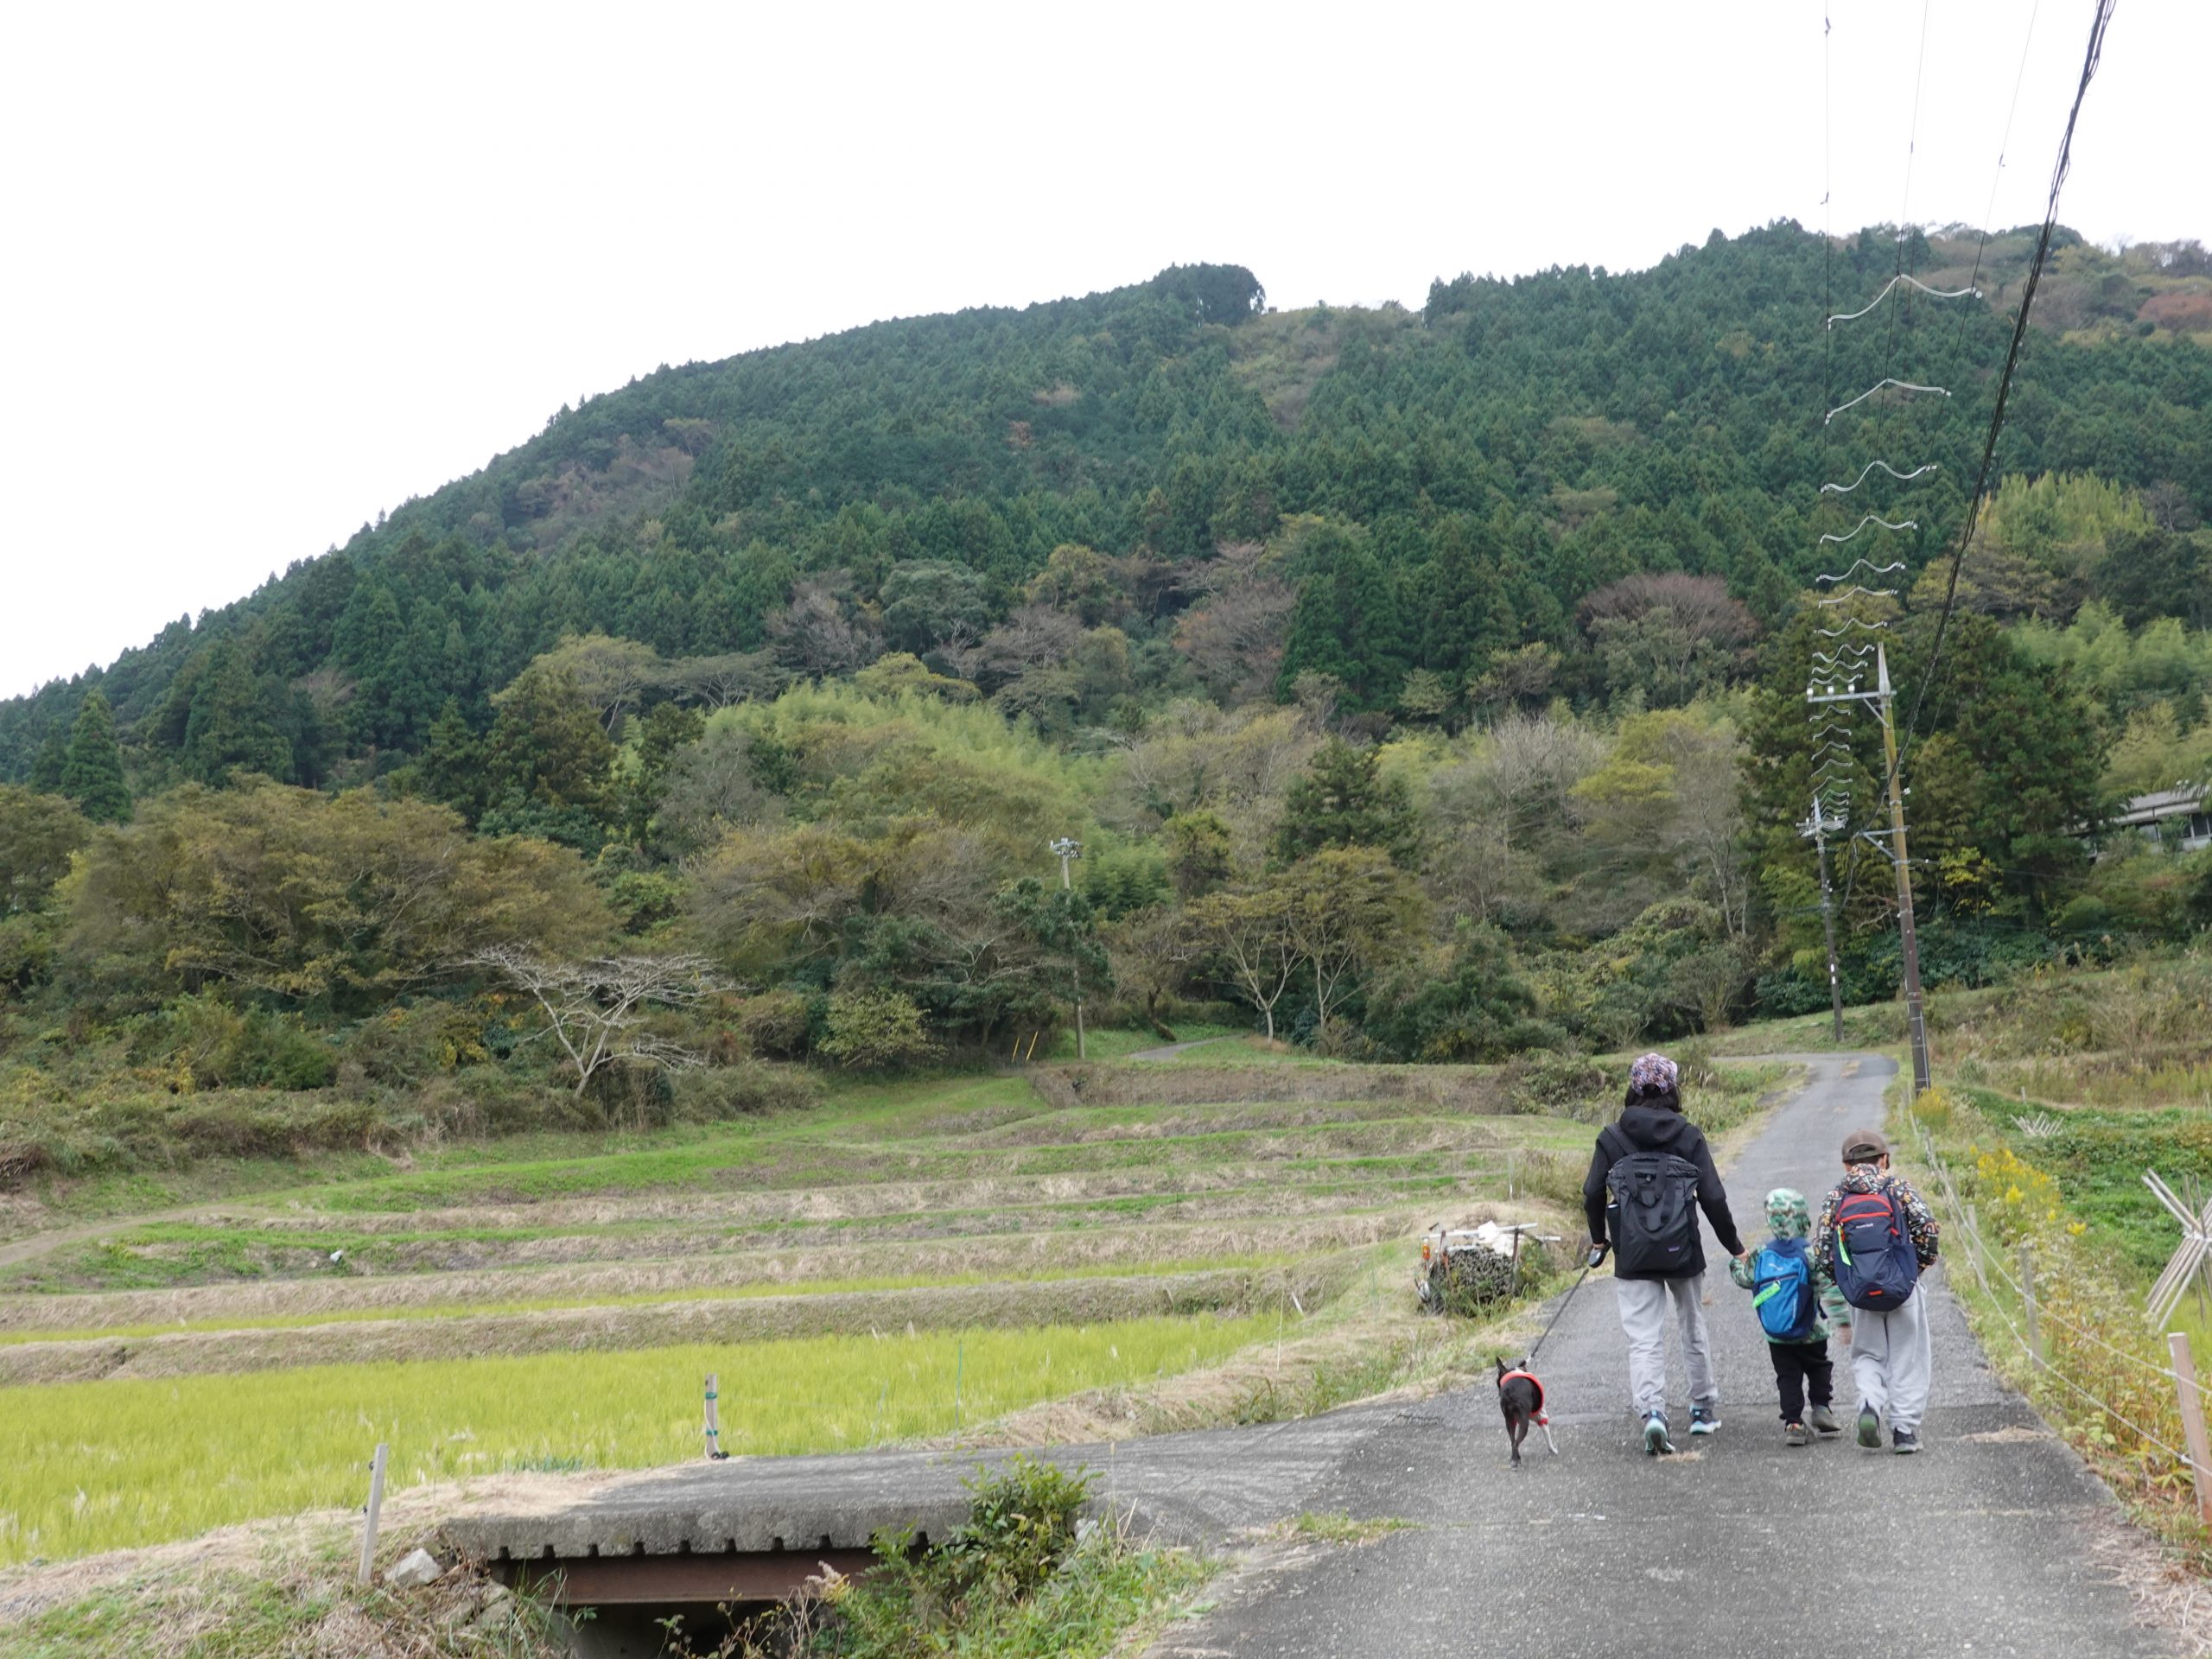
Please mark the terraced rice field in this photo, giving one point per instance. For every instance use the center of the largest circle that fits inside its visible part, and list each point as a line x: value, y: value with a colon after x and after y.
x: 909, y: 1261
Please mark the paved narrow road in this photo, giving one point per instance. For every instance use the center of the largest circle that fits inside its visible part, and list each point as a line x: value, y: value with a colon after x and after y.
x: 1982, y: 1545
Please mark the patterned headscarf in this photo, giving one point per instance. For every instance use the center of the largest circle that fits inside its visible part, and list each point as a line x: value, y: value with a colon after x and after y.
x: 1788, y: 1213
x: 1653, y: 1074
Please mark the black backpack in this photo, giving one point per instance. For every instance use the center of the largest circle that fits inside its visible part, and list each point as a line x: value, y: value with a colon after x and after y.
x: 1653, y: 1215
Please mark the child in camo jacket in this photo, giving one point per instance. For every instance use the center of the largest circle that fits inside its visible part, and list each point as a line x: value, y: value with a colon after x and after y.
x: 1803, y: 1366
x: 1891, y: 1354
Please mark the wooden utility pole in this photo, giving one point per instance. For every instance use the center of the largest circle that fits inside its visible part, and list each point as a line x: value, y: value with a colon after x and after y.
x: 1818, y: 827
x: 1879, y: 699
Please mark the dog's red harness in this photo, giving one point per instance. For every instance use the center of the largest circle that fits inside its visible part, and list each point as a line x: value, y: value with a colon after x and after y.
x: 1531, y: 1379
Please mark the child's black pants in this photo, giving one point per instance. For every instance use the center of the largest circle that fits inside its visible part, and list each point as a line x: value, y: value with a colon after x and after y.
x: 1800, y: 1368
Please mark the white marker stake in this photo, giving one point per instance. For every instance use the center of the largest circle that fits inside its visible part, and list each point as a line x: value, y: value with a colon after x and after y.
x: 376, y: 1506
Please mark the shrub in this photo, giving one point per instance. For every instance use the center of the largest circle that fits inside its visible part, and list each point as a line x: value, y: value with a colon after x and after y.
x: 206, y: 1043
x: 876, y: 1031
x: 1563, y: 1085
x: 777, y: 1024
x: 742, y: 1089
x: 1021, y: 1528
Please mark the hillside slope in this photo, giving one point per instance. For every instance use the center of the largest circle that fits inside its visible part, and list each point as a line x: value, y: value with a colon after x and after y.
x: 1570, y: 428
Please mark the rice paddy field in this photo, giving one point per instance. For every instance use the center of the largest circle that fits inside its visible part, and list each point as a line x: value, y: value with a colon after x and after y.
x: 908, y: 1263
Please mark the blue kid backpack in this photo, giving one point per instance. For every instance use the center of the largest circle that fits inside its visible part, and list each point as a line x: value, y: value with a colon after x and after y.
x: 1876, y: 1266
x: 1782, y: 1288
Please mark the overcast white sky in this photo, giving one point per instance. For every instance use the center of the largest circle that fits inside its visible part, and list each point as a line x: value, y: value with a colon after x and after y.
x: 266, y: 272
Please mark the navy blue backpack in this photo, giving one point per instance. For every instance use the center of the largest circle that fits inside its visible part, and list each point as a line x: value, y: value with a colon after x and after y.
x: 1781, y: 1291
x: 1876, y: 1267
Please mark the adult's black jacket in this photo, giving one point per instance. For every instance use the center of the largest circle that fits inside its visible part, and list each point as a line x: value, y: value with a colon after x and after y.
x: 1659, y: 1128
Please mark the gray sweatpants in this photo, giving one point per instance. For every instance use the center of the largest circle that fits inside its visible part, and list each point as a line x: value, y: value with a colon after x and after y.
x: 1644, y: 1317
x: 1891, y: 1360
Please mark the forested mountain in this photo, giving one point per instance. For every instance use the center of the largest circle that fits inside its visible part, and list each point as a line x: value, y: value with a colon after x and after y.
x: 1430, y: 682
x: 1513, y: 447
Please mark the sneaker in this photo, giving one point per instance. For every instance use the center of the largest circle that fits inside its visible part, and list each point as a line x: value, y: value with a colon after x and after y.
x: 1823, y: 1421
x: 1655, y: 1434
x: 1904, y: 1441
x: 1704, y: 1422
x: 1796, y: 1434
x: 1869, y: 1428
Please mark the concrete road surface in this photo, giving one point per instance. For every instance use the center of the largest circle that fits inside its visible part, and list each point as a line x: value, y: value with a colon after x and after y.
x: 1744, y: 1549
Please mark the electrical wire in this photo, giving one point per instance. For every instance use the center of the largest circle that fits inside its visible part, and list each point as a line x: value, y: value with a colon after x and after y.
x: 2089, y: 61
x: 1909, y: 281
x: 2003, y: 144
x: 1871, y: 518
x: 1903, y: 478
x: 1885, y: 381
x: 1904, y: 210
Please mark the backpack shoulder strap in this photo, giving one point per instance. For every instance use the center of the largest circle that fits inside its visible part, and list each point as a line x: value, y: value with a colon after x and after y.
x: 1617, y: 1145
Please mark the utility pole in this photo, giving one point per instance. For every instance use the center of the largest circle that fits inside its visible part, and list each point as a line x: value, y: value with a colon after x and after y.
x: 1914, y: 1016
x: 1818, y: 827
x: 1879, y: 700
x: 1070, y: 849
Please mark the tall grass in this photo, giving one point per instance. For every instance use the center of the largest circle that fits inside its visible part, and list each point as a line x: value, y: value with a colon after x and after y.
x: 100, y: 1466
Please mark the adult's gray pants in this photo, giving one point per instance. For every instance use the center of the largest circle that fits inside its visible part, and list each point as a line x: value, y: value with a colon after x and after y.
x: 1644, y: 1317
x: 1891, y: 1360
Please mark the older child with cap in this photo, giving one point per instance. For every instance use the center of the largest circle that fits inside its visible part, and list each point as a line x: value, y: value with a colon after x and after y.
x: 1794, y: 1310
x: 1897, y: 1239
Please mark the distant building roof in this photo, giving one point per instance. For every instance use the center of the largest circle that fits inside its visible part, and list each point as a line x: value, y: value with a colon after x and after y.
x: 2160, y: 804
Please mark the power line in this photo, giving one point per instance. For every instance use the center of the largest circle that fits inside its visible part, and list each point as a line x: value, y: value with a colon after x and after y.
x: 1905, y: 209
x: 2089, y: 61
x: 1996, y: 173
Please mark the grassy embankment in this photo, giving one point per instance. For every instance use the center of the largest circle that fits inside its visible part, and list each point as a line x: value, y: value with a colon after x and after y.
x: 1225, y: 1237
x: 2055, y: 1097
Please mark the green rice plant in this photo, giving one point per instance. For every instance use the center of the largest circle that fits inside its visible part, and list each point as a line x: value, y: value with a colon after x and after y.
x: 101, y: 1465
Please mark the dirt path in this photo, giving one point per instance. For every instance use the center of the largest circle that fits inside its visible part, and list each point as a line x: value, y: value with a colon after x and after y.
x: 33, y: 1245
x: 1169, y: 1051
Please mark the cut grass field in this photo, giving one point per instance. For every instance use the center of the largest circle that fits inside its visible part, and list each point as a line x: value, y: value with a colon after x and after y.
x: 1013, y: 1256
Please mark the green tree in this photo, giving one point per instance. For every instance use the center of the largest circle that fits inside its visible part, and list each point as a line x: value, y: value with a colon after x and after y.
x: 92, y: 771
x: 38, y: 833
x: 1347, y: 622
x: 1246, y: 938
x: 452, y: 767
x: 227, y: 725
x: 52, y: 756
x: 1351, y: 911
x: 340, y: 904
x: 549, y: 761
x: 1344, y: 800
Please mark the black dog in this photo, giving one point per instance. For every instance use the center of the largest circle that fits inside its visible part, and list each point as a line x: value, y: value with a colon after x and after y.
x: 1521, y: 1397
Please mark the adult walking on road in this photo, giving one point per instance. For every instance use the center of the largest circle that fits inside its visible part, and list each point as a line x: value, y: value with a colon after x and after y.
x: 1649, y: 1174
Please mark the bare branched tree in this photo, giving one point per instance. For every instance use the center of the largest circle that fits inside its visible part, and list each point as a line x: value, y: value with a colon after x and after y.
x: 597, y: 1010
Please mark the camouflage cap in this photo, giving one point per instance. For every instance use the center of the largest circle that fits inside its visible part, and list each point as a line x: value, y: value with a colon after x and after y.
x: 1788, y: 1213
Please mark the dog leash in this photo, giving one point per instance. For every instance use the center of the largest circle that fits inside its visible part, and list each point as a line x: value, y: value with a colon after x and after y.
x: 1564, y: 1301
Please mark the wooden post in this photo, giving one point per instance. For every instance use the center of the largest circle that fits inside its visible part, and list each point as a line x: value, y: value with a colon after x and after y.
x: 2192, y: 1421
x: 715, y: 1452
x: 375, y: 1510
x: 2028, y: 1300
x: 1974, y: 1249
